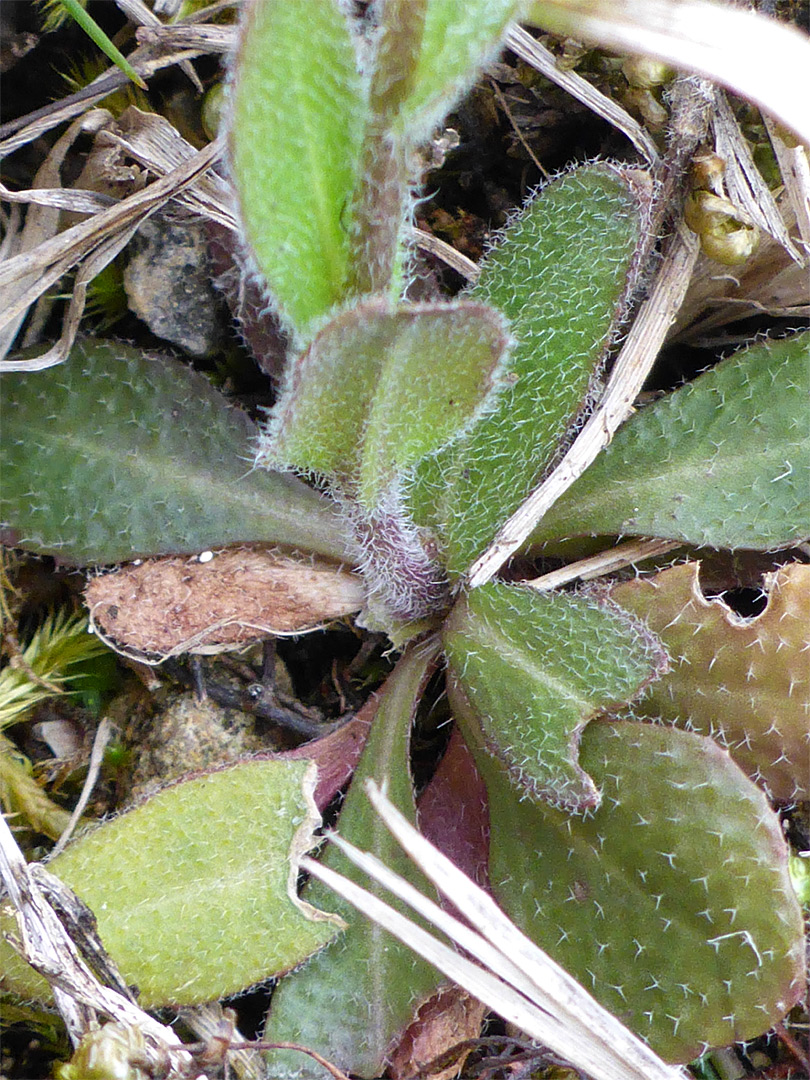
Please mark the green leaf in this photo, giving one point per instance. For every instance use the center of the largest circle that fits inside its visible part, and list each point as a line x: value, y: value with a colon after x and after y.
x: 529, y: 670
x: 194, y: 890
x: 561, y: 274
x: 722, y: 462
x: 368, y: 399
x: 672, y: 902
x: 458, y: 39
x: 352, y: 999
x: 745, y: 682
x: 115, y: 454
x: 298, y: 112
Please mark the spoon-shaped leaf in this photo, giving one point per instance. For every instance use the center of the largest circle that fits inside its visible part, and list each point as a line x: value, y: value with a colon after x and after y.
x: 561, y: 273
x: 381, y: 388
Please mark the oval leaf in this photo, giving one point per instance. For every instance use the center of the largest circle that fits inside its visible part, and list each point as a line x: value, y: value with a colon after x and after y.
x: 194, y: 890
x: 672, y: 902
x: 115, y: 454
x: 561, y: 274
x: 367, y: 400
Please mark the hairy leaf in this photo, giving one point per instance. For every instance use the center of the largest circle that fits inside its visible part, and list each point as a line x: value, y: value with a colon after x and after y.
x: 458, y: 38
x: 722, y: 462
x: 368, y: 399
x: 672, y: 902
x: 298, y: 110
x: 529, y: 670
x: 745, y: 682
x: 194, y: 890
x: 352, y: 999
x: 115, y: 454
x: 561, y: 274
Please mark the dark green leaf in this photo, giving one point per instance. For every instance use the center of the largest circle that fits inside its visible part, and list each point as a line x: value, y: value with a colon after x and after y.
x: 352, y: 999
x: 532, y: 669
x: 114, y: 455
x: 722, y: 462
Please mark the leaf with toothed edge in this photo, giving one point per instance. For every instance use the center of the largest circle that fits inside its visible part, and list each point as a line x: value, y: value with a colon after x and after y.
x: 532, y: 669
x: 745, y: 682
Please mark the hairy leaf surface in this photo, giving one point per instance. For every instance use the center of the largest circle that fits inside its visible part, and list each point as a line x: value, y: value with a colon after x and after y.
x: 379, y: 389
x: 194, y: 890
x: 532, y: 669
x: 298, y: 114
x: 745, y: 682
x: 352, y: 999
x: 115, y: 454
x: 561, y: 273
x: 671, y: 902
x: 722, y: 462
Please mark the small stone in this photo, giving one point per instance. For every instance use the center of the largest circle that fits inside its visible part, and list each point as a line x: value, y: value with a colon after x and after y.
x: 168, y: 285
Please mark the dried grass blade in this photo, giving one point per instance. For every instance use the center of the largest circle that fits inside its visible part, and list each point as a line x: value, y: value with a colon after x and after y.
x: 794, y: 165
x: 137, y: 11
x: 40, y: 268
x: 46, y: 944
x: 535, y: 992
x: 74, y: 200
x: 27, y: 128
x: 202, y: 38
x: 42, y: 221
x: 744, y: 183
x: 158, y: 146
x: 606, y: 562
x: 761, y: 58
x: 541, y: 59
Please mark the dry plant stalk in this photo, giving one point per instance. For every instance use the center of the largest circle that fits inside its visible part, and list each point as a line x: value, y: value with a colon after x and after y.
x: 541, y: 59
x: 79, y: 996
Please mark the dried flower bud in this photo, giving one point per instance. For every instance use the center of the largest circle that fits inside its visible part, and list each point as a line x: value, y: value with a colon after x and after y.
x: 708, y: 170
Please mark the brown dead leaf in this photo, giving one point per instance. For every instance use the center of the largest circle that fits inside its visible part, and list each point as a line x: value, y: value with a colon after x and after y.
x: 745, y: 682
x: 167, y: 606
x: 450, y: 1017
